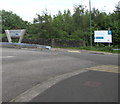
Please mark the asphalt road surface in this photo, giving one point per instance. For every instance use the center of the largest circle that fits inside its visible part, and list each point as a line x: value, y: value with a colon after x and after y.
x: 91, y: 86
x: 23, y: 69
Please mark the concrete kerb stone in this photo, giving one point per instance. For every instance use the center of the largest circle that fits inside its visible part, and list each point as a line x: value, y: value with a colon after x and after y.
x: 96, y: 52
x: 23, y: 45
x: 28, y: 95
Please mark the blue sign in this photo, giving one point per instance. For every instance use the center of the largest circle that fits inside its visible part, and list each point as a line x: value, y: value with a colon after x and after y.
x: 109, y: 32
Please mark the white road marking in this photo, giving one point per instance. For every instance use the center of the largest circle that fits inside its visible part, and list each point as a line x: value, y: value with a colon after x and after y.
x: 10, y: 56
x: 7, y: 56
x: 74, y: 51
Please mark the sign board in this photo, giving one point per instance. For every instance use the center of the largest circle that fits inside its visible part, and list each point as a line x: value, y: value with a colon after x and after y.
x: 15, y: 33
x: 103, y: 36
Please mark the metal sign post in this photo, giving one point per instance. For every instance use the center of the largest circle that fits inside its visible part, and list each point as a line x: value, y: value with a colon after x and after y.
x: 15, y: 33
x: 90, y: 24
x: 109, y: 44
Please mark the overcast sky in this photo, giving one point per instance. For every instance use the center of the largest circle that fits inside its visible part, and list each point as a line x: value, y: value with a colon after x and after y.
x: 27, y: 9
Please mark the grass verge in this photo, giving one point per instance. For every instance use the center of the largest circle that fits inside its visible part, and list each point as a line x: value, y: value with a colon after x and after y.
x: 2, y: 35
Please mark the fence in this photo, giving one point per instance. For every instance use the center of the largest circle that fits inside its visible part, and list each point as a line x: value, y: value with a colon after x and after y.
x: 53, y: 42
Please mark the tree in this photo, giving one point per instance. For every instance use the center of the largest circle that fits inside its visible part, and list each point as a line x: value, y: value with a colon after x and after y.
x: 12, y: 21
x: 43, y: 23
x: 65, y: 25
x: 116, y: 25
x: 81, y: 22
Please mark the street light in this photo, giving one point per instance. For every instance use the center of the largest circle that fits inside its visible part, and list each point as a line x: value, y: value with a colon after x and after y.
x: 90, y: 23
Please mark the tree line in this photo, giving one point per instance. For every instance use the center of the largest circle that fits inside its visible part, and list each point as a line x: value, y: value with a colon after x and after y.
x: 65, y: 26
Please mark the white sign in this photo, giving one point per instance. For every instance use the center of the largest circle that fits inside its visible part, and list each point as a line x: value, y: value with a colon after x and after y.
x: 15, y: 33
x: 103, y: 36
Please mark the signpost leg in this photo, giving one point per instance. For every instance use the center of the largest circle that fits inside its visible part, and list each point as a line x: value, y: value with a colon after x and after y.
x: 97, y: 43
x: 20, y: 39
x: 8, y: 36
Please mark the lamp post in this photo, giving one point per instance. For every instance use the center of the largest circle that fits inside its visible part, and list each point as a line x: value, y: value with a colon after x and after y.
x: 90, y: 23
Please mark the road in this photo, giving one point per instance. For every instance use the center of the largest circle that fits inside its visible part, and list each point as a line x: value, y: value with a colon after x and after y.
x: 91, y: 86
x: 22, y: 69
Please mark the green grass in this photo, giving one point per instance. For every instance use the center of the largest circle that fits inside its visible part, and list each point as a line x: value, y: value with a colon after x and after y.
x: 2, y: 35
x: 94, y: 48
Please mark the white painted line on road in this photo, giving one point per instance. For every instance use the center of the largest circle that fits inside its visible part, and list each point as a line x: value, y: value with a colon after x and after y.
x: 10, y: 56
x: 24, y: 48
x: 74, y: 51
x: 7, y: 56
